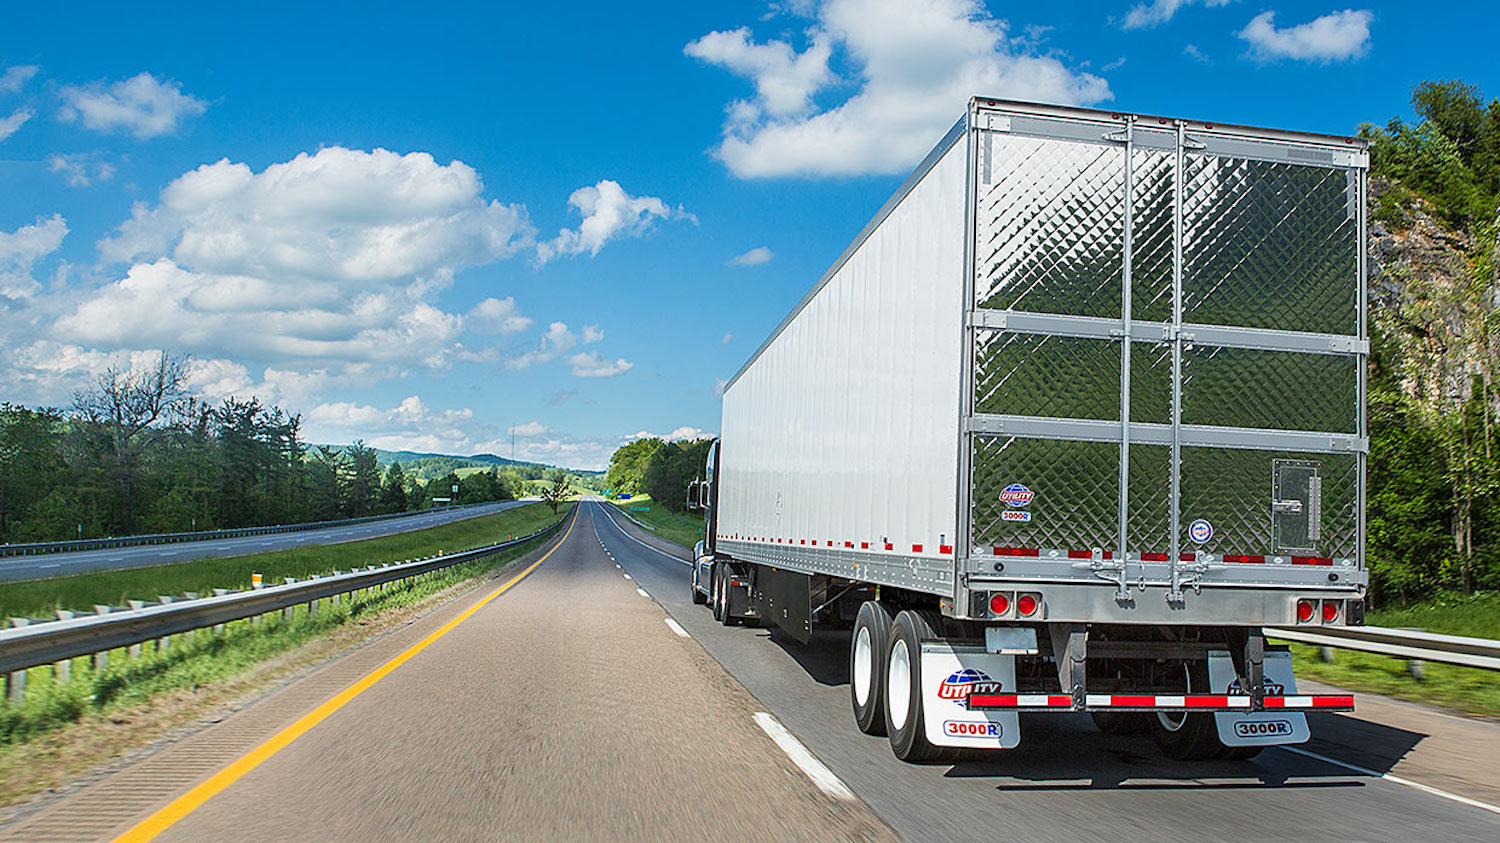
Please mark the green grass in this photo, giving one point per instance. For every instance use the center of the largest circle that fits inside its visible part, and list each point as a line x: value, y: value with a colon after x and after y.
x: 193, y: 661
x: 42, y: 598
x: 685, y: 528
x: 1463, y: 688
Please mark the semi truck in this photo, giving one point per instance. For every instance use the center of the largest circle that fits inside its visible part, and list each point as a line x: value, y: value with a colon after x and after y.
x: 1077, y: 416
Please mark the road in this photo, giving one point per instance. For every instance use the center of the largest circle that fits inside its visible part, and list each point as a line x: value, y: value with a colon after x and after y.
x: 587, y: 701
x: 60, y: 564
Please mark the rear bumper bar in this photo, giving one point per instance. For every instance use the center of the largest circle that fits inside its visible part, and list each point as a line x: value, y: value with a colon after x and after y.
x: 1158, y: 702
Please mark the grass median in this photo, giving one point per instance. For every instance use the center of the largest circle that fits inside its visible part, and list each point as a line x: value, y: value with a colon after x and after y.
x: 71, y: 721
x: 685, y: 528
x: 1466, y: 689
x: 42, y: 598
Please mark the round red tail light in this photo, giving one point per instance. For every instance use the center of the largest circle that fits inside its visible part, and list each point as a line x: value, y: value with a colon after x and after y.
x: 1026, y: 604
x: 999, y: 604
x: 1330, y: 612
x: 1304, y: 611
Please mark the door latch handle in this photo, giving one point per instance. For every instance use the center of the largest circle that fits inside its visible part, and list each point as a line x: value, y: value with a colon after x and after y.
x: 1287, y: 507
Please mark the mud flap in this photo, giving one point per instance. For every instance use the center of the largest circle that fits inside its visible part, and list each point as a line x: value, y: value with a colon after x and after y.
x: 1264, y: 728
x: 949, y: 674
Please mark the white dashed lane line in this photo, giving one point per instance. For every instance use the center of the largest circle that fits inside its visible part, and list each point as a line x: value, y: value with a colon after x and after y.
x: 677, y: 628
x: 816, y: 770
x: 642, y: 592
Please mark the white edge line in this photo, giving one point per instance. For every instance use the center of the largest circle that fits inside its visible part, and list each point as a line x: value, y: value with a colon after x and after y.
x: 810, y: 765
x: 639, y: 542
x: 677, y: 628
x: 1425, y: 788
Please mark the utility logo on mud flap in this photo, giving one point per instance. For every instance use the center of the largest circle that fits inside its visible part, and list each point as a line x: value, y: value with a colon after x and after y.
x: 1273, y: 689
x: 1016, y: 495
x: 958, y: 686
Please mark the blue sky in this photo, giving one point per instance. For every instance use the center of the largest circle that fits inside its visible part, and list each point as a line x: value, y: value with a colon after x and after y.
x: 432, y: 225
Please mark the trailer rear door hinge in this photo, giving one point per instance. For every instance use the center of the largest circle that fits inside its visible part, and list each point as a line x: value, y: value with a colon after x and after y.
x: 1349, y: 345
x: 983, y: 318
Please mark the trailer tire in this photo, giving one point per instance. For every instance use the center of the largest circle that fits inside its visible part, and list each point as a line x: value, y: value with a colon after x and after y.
x: 723, y: 608
x: 905, y: 723
x: 1189, y: 736
x: 867, y: 647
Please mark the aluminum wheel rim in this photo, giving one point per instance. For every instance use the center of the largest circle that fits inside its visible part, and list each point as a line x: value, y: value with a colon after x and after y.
x: 1173, y: 721
x: 898, y: 684
x: 863, y: 665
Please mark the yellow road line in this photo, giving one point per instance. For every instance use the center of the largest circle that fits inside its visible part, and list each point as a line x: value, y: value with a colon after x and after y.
x: 185, y: 804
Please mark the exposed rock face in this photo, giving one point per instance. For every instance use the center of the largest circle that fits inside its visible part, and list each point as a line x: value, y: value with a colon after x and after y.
x: 1423, y: 294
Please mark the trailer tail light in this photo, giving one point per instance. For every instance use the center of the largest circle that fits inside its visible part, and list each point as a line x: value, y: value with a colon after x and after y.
x: 1331, y: 611
x: 999, y: 604
x: 1305, y: 611
x: 1027, y: 604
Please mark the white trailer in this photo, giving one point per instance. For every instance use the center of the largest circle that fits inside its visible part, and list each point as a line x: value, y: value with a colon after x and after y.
x: 1077, y: 414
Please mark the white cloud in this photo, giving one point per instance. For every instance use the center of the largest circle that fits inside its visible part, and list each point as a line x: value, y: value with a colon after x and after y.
x: 409, y: 426
x: 1333, y: 37
x: 80, y: 169
x: 531, y: 428
x: 12, y: 124
x: 141, y: 105
x: 914, y: 67
x: 755, y: 257
x: 591, y: 365
x: 15, y: 78
x: 784, y: 79
x: 1160, y: 11
x: 556, y: 340
x: 327, y: 260
x: 1192, y: 52
x: 592, y: 334
x: 726, y: 339
x: 497, y: 316
x: 22, y: 248
x: 719, y: 386
x: 609, y: 213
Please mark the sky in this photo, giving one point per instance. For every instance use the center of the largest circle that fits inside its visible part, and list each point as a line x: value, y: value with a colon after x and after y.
x: 543, y: 232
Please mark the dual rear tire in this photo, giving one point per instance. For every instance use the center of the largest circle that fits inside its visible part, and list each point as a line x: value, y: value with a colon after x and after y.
x: 885, y: 679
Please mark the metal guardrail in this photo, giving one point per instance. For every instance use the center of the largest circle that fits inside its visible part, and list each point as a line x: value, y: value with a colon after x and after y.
x: 1398, y: 643
x: 37, y: 644
x: 35, y: 548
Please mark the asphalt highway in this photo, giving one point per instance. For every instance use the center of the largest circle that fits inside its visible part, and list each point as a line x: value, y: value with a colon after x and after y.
x: 59, y: 564
x: 592, y: 700
x: 1067, y: 781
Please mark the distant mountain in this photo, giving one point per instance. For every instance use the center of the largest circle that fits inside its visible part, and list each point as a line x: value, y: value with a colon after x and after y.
x: 426, y: 466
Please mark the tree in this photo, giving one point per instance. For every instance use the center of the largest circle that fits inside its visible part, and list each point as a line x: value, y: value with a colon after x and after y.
x: 325, y: 481
x: 361, y: 480
x: 556, y: 490
x: 627, y: 466
x: 671, y: 468
x: 32, y: 462
x: 393, y: 493
x: 120, y: 413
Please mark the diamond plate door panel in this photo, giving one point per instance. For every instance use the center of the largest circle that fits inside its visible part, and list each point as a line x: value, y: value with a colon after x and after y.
x: 1150, y: 525
x: 1270, y: 245
x: 1278, y: 390
x: 1153, y: 192
x: 1038, y: 375
x: 1233, y: 490
x: 1150, y: 382
x: 1074, y: 501
x: 1050, y: 227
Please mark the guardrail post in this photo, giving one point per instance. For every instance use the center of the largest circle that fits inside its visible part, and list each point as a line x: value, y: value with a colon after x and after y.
x: 134, y: 650
x: 164, y: 643
x: 101, y: 658
x: 218, y: 627
x: 15, y: 683
x: 335, y: 598
x: 63, y: 670
x: 1325, y: 655
x: 286, y: 614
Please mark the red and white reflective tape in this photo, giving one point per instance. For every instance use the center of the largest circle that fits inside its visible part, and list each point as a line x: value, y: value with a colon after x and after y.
x: 1159, y: 702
